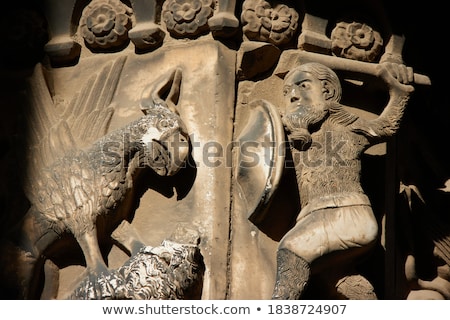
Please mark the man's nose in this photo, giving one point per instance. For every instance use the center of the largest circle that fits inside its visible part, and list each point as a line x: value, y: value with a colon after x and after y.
x: 294, y: 94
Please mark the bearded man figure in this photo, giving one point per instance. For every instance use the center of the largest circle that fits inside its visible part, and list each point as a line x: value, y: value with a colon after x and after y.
x: 336, y: 225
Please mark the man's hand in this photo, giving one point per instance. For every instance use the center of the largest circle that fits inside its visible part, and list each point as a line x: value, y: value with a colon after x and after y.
x: 397, y: 76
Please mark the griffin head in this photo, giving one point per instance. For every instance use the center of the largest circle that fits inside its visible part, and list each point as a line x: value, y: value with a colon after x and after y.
x: 165, y: 141
x: 164, y: 135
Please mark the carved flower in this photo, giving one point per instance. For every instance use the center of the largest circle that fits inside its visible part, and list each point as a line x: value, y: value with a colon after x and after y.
x: 105, y: 24
x: 187, y: 18
x: 356, y: 41
x: 261, y: 22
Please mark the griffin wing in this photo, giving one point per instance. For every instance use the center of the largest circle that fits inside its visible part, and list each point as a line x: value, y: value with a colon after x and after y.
x: 90, y: 112
x: 54, y: 134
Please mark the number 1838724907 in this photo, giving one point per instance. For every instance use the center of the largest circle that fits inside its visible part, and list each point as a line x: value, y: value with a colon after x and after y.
x: 306, y: 309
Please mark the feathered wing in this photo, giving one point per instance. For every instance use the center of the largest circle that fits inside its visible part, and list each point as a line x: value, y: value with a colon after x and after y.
x: 48, y: 136
x: 55, y: 134
x: 90, y: 112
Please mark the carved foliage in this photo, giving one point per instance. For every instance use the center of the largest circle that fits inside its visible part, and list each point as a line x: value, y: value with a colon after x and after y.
x: 356, y: 41
x: 105, y: 24
x: 264, y: 22
x: 187, y: 18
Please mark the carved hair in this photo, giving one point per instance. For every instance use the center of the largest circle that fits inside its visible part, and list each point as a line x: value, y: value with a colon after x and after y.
x: 323, y: 73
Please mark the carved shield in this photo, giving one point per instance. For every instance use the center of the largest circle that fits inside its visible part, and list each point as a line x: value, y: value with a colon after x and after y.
x: 260, y: 158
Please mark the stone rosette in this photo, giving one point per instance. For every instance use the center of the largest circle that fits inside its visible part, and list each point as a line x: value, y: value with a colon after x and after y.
x: 263, y: 22
x: 104, y: 24
x: 356, y: 41
x: 187, y: 18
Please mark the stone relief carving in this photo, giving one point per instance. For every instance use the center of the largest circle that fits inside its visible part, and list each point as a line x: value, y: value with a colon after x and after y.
x: 70, y: 187
x: 431, y: 282
x: 171, y: 271
x: 262, y: 22
x: 187, y: 18
x: 105, y: 24
x: 336, y: 219
x: 168, y: 271
x: 211, y: 86
x: 146, y: 33
x: 356, y: 41
x: 224, y: 23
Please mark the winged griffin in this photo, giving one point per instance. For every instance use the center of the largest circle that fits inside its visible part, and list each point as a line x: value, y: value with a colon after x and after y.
x: 74, y: 184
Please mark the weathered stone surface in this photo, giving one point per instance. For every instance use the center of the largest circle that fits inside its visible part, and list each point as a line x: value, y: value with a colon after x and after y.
x: 77, y: 77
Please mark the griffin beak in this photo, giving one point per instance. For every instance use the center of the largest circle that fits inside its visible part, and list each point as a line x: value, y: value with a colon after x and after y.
x: 177, y: 145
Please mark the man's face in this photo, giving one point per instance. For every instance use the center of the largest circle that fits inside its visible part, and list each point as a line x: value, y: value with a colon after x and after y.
x: 302, y: 89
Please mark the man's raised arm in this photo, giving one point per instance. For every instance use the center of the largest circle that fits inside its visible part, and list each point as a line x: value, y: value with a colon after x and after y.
x: 397, y: 78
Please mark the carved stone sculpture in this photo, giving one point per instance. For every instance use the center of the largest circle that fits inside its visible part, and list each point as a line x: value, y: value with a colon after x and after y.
x: 431, y: 282
x: 187, y: 18
x: 336, y: 225
x: 262, y: 22
x: 72, y: 188
x: 105, y: 24
x: 171, y: 271
x: 356, y: 41
x: 92, y: 189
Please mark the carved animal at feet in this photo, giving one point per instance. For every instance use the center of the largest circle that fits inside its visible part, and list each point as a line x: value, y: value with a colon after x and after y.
x: 171, y: 271
x: 72, y: 186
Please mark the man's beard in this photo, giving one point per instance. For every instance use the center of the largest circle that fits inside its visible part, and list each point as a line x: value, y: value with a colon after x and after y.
x: 299, y: 123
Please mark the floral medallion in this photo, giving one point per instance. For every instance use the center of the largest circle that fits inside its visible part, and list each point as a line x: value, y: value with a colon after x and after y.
x: 262, y: 22
x: 105, y: 23
x: 356, y: 41
x: 187, y: 18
